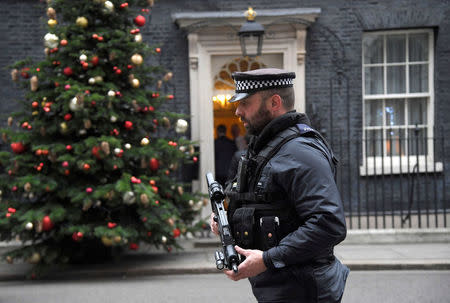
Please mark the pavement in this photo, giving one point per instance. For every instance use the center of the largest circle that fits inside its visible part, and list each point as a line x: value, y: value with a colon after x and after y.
x: 408, y: 249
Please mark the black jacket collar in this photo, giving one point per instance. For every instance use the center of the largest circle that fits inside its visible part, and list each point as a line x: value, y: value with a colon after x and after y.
x: 275, y: 126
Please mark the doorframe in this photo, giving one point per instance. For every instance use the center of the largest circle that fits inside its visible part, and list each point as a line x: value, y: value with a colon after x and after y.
x: 215, y: 33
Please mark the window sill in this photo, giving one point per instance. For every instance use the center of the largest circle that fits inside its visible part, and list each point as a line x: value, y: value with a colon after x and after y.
x: 397, y: 169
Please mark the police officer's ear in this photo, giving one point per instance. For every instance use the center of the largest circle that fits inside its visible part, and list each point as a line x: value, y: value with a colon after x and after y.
x: 276, y: 103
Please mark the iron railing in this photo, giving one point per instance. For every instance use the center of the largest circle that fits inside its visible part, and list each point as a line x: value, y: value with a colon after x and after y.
x: 396, y: 179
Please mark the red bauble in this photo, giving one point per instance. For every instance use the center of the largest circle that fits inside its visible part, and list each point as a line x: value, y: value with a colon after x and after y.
x: 77, y: 236
x: 111, y: 224
x: 139, y: 20
x: 94, y: 61
x: 176, y: 233
x: 128, y: 125
x: 68, y: 71
x: 154, y: 164
x: 24, y: 72
x: 96, y: 152
x: 134, y: 246
x: 47, y: 223
x: 67, y: 117
x: 63, y: 42
x: 17, y: 147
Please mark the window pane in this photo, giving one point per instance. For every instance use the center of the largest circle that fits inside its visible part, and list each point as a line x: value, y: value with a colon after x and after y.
x: 373, y: 49
x: 396, y: 48
x: 417, y: 111
x: 418, y: 47
x: 395, y: 142
x: 396, y: 82
x: 373, y: 112
x: 374, y: 143
x: 417, y: 141
x: 418, y: 78
x: 373, y: 80
x: 395, y: 112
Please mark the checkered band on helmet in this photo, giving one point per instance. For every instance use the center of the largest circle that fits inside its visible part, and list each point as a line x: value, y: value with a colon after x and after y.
x: 247, y: 86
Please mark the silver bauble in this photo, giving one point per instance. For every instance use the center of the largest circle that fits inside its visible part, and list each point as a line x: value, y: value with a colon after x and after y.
x: 51, y: 40
x: 181, y: 126
x: 29, y: 226
x: 129, y: 198
x: 75, y: 104
x: 109, y: 7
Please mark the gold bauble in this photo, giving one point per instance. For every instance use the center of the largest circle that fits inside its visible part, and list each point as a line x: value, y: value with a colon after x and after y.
x: 87, y: 205
x: 34, y: 83
x: 137, y: 59
x: 51, y: 13
x: 145, y: 141
x: 138, y: 38
x: 98, y: 79
x: 63, y: 127
x: 168, y: 76
x: 105, y: 147
x: 144, y: 199
x: 9, y: 259
x: 180, y: 190
x: 166, y: 122
x: 27, y: 187
x: 117, y: 239
x: 15, y: 75
x: 52, y: 22
x: 135, y: 83
x: 171, y: 221
x: 35, y: 258
x: 82, y: 22
x: 106, y: 241
x: 87, y: 123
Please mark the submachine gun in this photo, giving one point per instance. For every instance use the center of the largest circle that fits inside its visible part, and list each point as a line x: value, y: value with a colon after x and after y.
x: 227, y: 257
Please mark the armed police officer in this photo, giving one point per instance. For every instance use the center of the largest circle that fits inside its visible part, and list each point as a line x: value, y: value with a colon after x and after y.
x: 285, y: 210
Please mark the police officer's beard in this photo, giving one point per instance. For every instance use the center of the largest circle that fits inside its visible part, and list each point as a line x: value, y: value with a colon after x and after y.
x: 261, y: 118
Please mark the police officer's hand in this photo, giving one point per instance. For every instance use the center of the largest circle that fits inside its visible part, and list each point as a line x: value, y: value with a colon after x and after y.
x: 252, y: 266
x: 214, y: 225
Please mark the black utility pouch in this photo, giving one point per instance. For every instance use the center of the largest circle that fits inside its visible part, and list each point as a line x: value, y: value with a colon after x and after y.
x: 269, y: 227
x: 243, y: 226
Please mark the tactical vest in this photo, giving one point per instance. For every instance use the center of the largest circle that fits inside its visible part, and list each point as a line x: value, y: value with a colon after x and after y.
x: 257, y: 220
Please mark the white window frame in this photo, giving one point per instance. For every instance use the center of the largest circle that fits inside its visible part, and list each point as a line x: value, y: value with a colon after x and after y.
x: 385, y: 164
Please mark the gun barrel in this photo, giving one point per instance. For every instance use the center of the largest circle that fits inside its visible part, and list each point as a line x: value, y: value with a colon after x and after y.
x: 209, y: 179
x: 228, y: 257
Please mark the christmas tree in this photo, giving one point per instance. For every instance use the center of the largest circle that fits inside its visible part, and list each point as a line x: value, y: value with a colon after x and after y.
x: 94, y: 164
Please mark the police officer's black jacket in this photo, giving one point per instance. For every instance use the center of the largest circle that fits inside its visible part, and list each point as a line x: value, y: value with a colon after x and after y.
x: 296, y: 216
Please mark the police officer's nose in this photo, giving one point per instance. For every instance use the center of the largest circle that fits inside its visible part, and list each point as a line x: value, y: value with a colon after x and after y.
x: 238, y: 111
